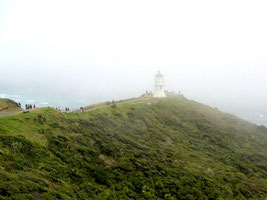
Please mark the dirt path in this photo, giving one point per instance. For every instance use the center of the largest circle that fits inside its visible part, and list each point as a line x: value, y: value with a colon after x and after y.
x: 107, y: 105
x: 94, y: 108
x: 9, y: 113
x: 89, y: 109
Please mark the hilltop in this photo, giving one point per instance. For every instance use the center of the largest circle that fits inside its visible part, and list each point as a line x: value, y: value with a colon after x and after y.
x: 7, y: 105
x: 170, y: 148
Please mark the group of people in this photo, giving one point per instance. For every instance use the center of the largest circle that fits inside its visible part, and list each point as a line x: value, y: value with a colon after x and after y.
x: 27, y: 106
x: 108, y: 102
x: 30, y: 106
x: 66, y: 109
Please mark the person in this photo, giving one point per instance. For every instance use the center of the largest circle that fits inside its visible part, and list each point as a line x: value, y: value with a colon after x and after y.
x: 34, y: 106
x: 26, y: 106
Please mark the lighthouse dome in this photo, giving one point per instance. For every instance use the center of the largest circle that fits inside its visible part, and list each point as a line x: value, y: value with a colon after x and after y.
x: 159, y: 74
x: 159, y: 80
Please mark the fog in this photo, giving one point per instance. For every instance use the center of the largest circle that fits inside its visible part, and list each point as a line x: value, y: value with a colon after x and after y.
x: 81, y: 52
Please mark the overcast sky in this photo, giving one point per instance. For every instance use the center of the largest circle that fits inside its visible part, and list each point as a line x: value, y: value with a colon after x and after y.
x: 212, y: 51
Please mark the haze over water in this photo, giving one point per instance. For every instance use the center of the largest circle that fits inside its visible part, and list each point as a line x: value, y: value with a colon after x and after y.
x: 75, y: 53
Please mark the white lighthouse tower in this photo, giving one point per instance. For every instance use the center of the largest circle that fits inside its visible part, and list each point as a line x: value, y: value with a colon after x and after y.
x: 159, y: 86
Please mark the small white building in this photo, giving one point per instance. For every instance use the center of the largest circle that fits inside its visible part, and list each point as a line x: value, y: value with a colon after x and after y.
x: 159, y: 86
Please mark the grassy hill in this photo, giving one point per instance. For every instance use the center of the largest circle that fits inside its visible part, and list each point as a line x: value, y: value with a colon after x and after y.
x: 170, y: 148
x: 7, y: 105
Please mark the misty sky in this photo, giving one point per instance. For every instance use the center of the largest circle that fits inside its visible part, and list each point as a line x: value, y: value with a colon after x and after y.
x: 212, y: 51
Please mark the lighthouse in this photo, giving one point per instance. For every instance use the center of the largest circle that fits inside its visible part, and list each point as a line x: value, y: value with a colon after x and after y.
x: 159, y: 86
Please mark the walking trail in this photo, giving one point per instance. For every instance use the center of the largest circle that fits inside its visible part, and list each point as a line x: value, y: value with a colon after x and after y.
x: 88, y: 108
x: 9, y: 113
x: 104, y: 104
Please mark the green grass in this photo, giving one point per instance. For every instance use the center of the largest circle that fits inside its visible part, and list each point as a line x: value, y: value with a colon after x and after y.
x: 168, y: 148
x: 7, y: 105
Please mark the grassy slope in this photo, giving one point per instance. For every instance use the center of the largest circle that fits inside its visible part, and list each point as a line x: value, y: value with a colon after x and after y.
x: 7, y: 105
x: 153, y: 149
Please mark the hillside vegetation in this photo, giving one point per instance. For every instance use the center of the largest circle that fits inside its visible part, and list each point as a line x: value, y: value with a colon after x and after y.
x: 170, y: 148
x: 7, y: 105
